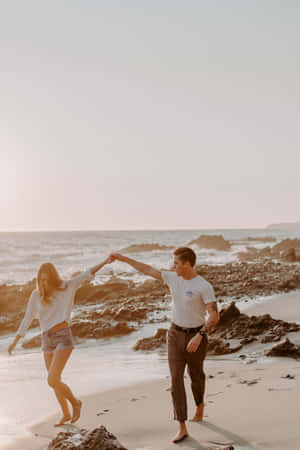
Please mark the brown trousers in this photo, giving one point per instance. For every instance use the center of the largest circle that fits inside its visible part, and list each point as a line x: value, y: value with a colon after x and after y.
x: 178, y: 358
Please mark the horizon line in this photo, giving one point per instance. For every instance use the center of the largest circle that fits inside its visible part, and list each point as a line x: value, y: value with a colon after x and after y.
x: 131, y: 229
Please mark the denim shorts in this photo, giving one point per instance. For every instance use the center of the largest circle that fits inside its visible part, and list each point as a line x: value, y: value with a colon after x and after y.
x: 57, y: 340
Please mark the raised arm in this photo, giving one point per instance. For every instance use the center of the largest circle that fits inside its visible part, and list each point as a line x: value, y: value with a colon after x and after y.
x: 87, y: 275
x: 140, y: 267
x: 99, y: 266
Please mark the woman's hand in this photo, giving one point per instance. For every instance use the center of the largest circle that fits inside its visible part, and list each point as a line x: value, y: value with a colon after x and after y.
x: 109, y: 260
x: 194, y: 343
x: 14, y: 343
x: 11, y: 347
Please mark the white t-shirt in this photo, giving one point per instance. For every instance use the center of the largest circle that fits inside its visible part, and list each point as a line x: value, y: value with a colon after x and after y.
x: 188, y: 299
x: 59, y: 310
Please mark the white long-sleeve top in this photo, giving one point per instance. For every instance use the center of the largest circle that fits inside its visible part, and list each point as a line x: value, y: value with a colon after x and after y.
x: 59, y: 310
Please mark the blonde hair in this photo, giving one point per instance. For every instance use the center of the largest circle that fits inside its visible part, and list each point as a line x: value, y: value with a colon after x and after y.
x: 55, y: 282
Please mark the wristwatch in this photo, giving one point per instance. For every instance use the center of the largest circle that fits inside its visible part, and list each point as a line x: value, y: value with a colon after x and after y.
x: 202, y: 332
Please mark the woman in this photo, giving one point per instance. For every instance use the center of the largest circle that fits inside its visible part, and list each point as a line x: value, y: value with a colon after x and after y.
x: 52, y: 303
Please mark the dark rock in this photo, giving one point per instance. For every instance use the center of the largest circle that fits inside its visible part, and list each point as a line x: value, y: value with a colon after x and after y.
x: 153, y: 342
x: 288, y: 255
x: 216, y: 242
x: 228, y: 314
x: 285, y: 348
x: 248, y: 340
x: 289, y: 377
x: 270, y: 338
x: 217, y: 346
x: 99, y: 329
x: 287, y: 250
x: 14, y: 298
x: 97, y: 439
x: 234, y: 325
x: 137, y: 248
x: 286, y: 244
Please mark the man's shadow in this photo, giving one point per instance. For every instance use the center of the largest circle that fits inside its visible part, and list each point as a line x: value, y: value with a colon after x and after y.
x: 231, y: 439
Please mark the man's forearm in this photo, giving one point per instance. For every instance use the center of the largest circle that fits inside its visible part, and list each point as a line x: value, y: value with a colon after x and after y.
x: 140, y: 267
x: 211, y: 321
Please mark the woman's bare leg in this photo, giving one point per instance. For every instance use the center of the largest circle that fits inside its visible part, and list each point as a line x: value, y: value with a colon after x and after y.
x: 61, y: 399
x: 62, y: 391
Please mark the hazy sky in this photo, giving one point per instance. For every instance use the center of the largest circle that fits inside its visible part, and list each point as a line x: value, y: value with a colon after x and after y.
x: 149, y: 114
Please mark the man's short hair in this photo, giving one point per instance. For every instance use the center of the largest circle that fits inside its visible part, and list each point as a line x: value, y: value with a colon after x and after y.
x: 186, y: 254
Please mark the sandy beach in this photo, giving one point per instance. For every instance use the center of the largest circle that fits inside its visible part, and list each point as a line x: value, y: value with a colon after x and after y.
x: 251, y: 406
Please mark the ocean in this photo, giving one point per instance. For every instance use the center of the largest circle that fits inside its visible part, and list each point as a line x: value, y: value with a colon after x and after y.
x: 73, y: 251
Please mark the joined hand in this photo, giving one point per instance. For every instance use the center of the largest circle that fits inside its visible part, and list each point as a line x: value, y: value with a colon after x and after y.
x: 116, y: 256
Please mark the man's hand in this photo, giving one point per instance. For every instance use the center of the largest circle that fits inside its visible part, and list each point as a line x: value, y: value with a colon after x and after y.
x: 194, y: 343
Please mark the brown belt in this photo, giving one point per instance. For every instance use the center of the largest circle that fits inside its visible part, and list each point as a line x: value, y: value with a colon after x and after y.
x: 186, y: 330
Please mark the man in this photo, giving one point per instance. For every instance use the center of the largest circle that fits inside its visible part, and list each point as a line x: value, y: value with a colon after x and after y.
x: 192, y: 297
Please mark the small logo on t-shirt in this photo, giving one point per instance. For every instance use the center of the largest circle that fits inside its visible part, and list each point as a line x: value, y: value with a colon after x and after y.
x: 189, y: 293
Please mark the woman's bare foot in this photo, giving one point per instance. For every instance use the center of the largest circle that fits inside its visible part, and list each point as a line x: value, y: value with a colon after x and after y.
x: 63, y: 420
x: 76, y: 411
x: 198, y: 417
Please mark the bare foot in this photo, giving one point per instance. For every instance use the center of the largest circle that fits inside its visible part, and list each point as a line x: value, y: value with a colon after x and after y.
x: 63, y: 420
x: 179, y: 436
x: 198, y: 417
x: 76, y: 411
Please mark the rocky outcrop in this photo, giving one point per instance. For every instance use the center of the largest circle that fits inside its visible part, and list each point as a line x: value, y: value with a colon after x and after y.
x: 285, y: 348
x: 13, y: 298
x: 285, y: 245
x: 153, y: 342
x: 236, y: 280
x: 99, y: 438
x: 139, y: 248
x: 287, y: 250
x: 235, y: 325
x: 216, y: 242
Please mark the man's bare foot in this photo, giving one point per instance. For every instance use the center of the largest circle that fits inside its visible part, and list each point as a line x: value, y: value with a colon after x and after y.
x: 76, y: 411
x: 63, y: 420
x: 179, y: 436
x: 198, y: 417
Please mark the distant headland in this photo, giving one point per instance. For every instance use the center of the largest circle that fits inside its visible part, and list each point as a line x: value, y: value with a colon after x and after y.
x: 284, y: 226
